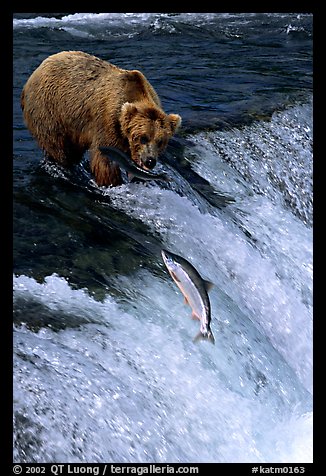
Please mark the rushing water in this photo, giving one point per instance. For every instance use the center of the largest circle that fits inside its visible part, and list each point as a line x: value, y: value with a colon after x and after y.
x: 104, y: 364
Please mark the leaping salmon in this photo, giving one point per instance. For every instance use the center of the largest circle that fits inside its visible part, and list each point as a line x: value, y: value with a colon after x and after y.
x: 195, y: 291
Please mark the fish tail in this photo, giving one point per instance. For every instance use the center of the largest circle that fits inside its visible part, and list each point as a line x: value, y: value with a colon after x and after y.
x: 204, y: 336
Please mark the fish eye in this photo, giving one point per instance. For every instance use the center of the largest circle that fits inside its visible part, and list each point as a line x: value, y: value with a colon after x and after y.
x: 144, y: 139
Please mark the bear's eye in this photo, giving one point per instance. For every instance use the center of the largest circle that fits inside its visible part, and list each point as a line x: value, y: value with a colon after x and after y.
x: 144, y: 139
x: 160, y: 143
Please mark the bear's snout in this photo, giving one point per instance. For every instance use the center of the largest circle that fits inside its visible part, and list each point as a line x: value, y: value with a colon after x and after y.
x: 150, y: 162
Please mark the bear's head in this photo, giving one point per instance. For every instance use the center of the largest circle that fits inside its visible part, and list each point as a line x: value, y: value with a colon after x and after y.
x: 148, y: 130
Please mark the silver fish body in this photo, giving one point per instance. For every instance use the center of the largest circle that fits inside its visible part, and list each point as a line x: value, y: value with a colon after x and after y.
x: 194, y: 289
x: 129, y: 165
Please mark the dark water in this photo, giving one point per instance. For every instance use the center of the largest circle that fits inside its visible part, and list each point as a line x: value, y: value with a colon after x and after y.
x: 104, y: 366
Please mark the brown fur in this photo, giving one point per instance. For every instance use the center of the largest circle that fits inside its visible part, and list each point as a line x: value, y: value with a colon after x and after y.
x: 75, y: 102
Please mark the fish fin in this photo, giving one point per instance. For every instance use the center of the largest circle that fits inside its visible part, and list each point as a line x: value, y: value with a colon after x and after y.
x: 194, y: 317
x: 208, y: 285
x: 207, y: 336
x: 130, y: 176
x: 185, y: 300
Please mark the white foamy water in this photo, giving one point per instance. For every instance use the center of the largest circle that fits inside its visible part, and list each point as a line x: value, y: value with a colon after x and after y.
x: 270, y: 275
x: 128, y: 384
x: 91, y: 24
x: 132, y: 387
x: 115, y: 18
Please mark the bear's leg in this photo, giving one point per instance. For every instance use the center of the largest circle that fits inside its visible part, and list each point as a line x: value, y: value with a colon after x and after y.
x: 105, y: 172
x: 66, y: 160
x: 63, y: 151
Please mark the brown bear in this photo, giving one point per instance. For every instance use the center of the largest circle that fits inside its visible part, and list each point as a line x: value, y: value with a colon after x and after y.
x: 75, y: 102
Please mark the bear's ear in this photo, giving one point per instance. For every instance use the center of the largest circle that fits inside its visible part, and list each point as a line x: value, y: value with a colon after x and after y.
x: 175, y: 122
x: 128, y: 110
